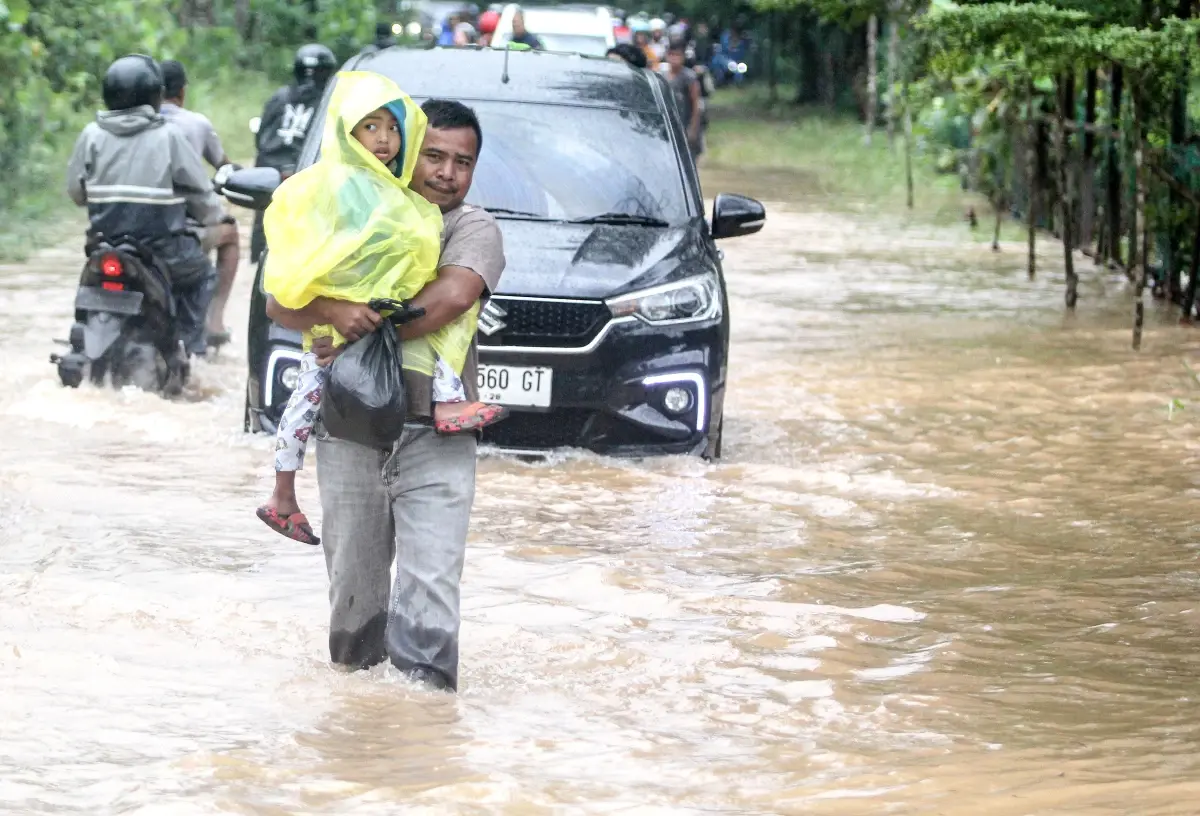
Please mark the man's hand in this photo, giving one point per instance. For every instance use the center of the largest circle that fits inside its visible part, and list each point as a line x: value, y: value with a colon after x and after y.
x: 224, y: 171
x: 325, y: 350
x: 352, y: 320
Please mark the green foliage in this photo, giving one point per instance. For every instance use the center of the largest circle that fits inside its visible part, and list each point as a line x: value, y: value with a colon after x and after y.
x: 1054, y: 37
x: 810, y: 152
x: 53, y: 54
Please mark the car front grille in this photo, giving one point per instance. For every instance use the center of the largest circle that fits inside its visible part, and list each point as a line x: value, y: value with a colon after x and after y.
x: 569, y: 428
x: 541, y: 323
x: 537, y: 431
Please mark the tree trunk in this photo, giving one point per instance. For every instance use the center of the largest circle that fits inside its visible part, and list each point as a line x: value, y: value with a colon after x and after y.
x: 828, y: 80
x: 1066, y: 112
x: 1179, y: 116
x: 1189, y: 299
x: 772, y: 57
x: 908, y: 141
x: 872, y: 75
x: 1113, y: 182
x: 1031, y: 170
x: 1139, y: 210
x: 808, y: 90
x: 1136, y: 262
x: 1007, y: 171
x: 1087, y: 186
x: 1047, y: 181
x: 893, y: 70
x: 310, y: 27
x: 241, y: 18
x: 185, y: 13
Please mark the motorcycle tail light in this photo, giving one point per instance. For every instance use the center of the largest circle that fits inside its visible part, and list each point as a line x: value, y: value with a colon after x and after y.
x: 113, y: 286
x: 111, y: 266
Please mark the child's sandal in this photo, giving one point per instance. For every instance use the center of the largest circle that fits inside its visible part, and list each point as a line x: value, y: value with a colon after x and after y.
x: 295, y: 526
x: 477, y: 415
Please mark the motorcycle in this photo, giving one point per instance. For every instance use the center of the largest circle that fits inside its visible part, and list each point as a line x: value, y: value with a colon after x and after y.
x: 125, y: 325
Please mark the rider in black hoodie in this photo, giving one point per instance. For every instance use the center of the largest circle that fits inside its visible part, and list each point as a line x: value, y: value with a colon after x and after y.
x: 286, y: 118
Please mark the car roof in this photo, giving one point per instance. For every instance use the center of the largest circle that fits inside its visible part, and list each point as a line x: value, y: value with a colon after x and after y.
x: 559, y: 20
x: 533, y: 76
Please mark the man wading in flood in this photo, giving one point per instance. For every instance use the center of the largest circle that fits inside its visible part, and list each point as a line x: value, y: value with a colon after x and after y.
x: 412, y: 504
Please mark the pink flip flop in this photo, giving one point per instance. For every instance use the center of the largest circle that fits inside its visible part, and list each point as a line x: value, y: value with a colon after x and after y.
x: 479, y: 415
x: 295, y: 526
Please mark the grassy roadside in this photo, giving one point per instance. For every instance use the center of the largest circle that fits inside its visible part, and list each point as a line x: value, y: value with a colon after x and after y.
x: 811, y: 153
x: 41, y: 214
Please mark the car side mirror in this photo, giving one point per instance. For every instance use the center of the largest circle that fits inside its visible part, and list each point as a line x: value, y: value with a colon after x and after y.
x: 735, y: 215
x: 251, y: 187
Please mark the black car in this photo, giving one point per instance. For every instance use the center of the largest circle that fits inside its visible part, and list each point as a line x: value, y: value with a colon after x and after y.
x: 610, y: 328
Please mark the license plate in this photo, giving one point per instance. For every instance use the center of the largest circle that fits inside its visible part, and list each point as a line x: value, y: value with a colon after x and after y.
x: 95, y: 299
x: 515, y: 385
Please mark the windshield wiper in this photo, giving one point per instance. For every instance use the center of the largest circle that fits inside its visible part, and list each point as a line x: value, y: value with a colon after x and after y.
x: 621, y: 218
x: 518, y: 214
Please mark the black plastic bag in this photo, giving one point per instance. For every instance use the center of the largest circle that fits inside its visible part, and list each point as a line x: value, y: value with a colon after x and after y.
x: 364, y: 399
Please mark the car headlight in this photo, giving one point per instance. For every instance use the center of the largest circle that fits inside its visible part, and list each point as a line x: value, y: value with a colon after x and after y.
x: 289, y: 377
x: 685, y: 301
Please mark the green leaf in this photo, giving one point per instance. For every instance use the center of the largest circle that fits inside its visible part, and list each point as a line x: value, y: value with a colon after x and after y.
x: 17, y: 11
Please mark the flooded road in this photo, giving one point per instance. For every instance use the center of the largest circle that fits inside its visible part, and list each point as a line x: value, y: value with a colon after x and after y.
x: 948, y: 565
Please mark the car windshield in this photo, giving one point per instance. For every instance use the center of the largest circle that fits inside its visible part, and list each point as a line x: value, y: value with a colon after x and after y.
x: 595, y: 46
x: 571, y: 163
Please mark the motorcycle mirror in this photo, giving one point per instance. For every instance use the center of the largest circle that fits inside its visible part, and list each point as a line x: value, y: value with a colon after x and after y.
x: 252, y: 187
x: 255, y: 123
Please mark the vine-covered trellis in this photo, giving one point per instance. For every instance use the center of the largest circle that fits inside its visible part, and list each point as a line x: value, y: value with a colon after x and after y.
x: 1086, y: 130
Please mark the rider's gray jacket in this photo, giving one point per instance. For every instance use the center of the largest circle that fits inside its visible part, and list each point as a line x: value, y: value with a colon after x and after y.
x: 139, y: 176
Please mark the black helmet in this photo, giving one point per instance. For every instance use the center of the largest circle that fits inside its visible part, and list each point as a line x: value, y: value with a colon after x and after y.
x: 314, y: 63
x: 131, y: 81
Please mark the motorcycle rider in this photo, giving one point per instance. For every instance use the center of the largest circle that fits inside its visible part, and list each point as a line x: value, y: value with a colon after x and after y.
x: 384, y: 38
x: 658, y: 39
x: 142, y: 178
x: 285, y: 120
x: 223, y: 238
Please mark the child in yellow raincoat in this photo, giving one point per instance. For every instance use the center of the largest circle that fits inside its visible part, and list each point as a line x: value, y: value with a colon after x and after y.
x: 349, y: 228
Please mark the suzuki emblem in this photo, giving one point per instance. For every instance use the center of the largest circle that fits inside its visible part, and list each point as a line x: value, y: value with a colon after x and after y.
x: 491, y: 318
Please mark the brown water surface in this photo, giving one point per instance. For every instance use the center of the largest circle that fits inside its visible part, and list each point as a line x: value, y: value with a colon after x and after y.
x: 948, y: 565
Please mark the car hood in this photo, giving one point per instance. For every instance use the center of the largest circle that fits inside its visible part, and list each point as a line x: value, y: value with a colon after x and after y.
x: 597, y: 261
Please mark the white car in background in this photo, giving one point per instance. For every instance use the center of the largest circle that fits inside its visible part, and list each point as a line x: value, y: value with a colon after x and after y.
x: 578, y: 29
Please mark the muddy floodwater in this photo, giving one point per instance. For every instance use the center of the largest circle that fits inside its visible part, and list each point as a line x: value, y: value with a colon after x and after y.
x: 948, y: 565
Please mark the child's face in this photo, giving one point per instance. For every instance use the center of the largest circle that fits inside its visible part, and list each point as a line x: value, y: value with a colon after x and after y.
x: 379, y: 133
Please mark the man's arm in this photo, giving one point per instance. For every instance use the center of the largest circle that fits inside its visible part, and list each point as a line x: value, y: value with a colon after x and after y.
x: 190, y: 181
x: 214, y: 151
x: 471, y: 264
x: 77, y: 170
x: 694, y: 125
x: 352, y: 320
x: 269, y: 122
x: 455, y: 290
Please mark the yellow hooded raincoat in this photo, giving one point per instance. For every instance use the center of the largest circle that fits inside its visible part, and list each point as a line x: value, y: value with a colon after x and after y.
x: 349, y: 227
